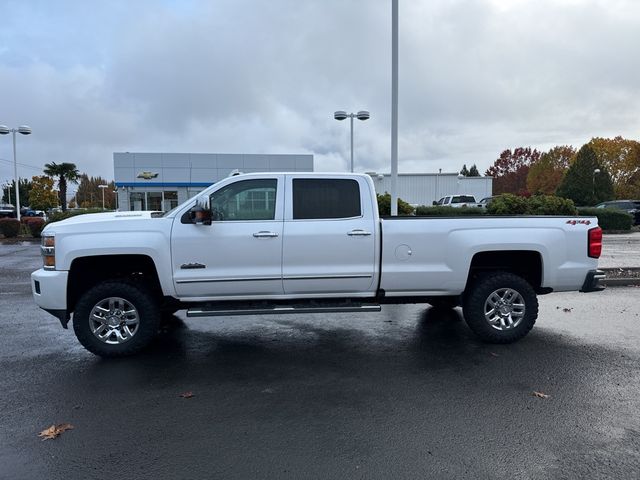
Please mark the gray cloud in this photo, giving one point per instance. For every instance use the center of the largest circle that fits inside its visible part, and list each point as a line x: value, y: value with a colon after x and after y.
x: 248, y: 76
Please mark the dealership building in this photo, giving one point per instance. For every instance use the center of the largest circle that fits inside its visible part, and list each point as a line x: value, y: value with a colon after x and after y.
x: 161, y: 181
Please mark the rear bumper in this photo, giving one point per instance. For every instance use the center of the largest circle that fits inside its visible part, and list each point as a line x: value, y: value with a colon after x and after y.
x: 592, y: 281
x: 49, y: 289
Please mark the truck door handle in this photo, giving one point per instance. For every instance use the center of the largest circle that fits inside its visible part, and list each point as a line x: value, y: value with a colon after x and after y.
x: 265, y: 234
x: 358, y: 233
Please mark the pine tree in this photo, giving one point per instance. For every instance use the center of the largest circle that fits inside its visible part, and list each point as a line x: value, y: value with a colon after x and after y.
x: 464, y: 171
x: 586, y: 182
x: 473, y: 171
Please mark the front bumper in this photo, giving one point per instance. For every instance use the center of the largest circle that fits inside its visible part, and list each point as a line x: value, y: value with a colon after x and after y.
x: 592, y: 281
x: 49, y: 289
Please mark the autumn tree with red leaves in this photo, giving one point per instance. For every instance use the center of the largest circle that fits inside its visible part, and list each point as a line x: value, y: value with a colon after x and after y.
x: 510, y: 170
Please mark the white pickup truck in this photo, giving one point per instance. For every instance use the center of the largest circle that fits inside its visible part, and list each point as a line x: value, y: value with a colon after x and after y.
x: 277, y: 243
x: 457, y: 201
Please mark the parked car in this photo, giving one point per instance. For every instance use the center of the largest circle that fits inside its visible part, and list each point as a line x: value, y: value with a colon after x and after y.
x: 457, y: 201
x: 7, y: 210
x: 486, y: 201
x: 277, y: 243
x: 629, y: 206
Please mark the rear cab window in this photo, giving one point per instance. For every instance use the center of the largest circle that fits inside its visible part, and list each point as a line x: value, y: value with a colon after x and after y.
x: 325, y: 198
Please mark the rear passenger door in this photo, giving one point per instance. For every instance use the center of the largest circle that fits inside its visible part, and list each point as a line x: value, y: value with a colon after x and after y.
x: 329, y: 236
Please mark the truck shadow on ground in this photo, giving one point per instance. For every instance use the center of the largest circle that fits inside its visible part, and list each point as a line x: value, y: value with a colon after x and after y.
x: 283, y: 350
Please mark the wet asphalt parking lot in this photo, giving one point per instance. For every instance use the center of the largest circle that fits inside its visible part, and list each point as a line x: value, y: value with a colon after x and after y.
x: 407, y: 393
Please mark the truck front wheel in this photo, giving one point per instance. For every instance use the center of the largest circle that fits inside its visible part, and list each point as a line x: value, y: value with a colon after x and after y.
x: 116, y: 318
x: 500, y: 307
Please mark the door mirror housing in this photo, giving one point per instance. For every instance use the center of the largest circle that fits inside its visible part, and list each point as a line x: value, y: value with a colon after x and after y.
x: 201, y: 211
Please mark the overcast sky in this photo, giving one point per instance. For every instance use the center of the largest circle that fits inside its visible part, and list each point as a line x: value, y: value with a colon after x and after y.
x: 476, y: 77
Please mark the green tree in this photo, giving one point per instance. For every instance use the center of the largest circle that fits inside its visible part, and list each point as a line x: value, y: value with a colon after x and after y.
x: 546, y: 174
x: 9, y: 192
x: 582, y: 184
x: 89, y: 194
x: 470, y: 172
x: 66, y: 172
x: 42, y: 195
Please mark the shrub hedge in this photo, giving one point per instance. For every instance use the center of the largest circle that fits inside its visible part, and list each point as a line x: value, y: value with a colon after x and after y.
x: 34, y: 225
x: 9, y: 227
x: 509, y: 204
x: 56, y: 217
x: 384, y: 206
x: 609, y: 218
x: 439, y: 211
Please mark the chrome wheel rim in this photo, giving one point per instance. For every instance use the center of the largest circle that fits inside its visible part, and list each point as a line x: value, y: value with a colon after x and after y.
x: 114, y: 320
x: 504, y: 309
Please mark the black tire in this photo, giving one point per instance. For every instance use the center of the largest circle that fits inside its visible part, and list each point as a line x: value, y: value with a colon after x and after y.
x: 485, y: 289
x: 136, y: 295
x: 445, y: 303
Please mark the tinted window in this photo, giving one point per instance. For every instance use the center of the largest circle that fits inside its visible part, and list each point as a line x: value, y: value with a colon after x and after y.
x: 246, y: 200
x: 325, y: 198
x: 463, y: 199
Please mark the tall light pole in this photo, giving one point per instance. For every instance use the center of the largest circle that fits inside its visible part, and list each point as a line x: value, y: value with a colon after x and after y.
x: 394, y: 108
x: 102, y: 187
x: 595, y: 172
x: 24, y: 130
x: 342, y: 115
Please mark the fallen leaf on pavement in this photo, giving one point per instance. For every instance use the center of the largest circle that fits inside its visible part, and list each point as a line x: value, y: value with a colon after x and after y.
x: 187, y: 395
x: 540, y: 395
x: 54, y: 431
x: 567, y: 310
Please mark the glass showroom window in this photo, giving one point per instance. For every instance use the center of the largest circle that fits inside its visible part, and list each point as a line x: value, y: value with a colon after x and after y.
x: 154, y: 201
x: 137, y: 201
x: 170, y: 200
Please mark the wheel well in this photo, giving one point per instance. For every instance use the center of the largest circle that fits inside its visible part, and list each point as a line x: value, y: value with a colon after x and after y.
x: 524, y: 263
x: 86, y: 272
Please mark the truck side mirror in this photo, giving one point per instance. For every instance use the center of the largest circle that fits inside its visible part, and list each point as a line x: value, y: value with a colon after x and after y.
x: 434, y: 203
x: 201, y: 212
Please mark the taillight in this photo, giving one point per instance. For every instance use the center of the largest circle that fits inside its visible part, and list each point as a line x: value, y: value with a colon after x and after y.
x: 595, y: 242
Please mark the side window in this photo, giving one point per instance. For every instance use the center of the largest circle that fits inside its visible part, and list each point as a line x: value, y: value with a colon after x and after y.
x: 246, y: 200
x: 315, y: 198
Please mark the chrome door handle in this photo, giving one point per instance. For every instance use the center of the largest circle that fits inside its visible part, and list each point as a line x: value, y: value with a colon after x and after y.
x: 265, y: 234
x: 358, y: 233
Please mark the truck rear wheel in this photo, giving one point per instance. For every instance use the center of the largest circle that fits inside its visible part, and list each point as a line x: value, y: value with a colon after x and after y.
x: 116, y: 318
x: 500, y: 307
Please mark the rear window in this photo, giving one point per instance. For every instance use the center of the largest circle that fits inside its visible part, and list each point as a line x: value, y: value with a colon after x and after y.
x: 315, y: 198
x: 463, y: 199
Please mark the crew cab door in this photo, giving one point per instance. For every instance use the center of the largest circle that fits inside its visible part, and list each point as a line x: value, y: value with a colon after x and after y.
x: 329, y: 236
x: 240, y: 253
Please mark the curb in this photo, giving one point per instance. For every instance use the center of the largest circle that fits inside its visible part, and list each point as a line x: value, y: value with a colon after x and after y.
x: 621, y: 281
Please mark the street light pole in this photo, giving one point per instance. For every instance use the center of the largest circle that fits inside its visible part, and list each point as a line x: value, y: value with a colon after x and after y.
x: 102, y: 187
x: 24, y: 130
x: 595, y: 172
x: 342, y: 115
x: 394, y: 108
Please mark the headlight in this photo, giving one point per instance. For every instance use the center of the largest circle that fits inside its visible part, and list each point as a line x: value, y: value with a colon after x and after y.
x: 48, y: 249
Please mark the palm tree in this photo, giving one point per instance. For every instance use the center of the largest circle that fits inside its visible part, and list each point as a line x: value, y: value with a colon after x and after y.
x: 66, y: 172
